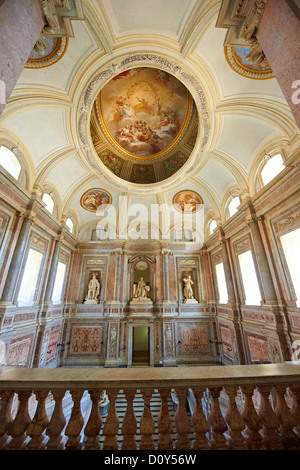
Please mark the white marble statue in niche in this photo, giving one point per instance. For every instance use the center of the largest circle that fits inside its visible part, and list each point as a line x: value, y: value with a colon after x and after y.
x: 141, y: 291
x: 93, y: 291
x: 188, y: 290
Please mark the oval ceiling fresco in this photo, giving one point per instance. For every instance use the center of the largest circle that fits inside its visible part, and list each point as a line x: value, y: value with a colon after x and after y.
x: 144, y: 112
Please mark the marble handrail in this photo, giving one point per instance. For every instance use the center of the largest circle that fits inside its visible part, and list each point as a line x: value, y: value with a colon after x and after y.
x: 271, y: 421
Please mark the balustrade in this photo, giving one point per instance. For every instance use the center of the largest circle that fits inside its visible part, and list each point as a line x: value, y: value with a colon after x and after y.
x: 255, y: 423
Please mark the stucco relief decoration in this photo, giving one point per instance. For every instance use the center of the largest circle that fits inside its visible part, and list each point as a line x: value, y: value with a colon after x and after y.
x: 95, y: 200
x: 194, y: 338
x: 187, y: 201
x: 86, y: 339
x: 144, y: 111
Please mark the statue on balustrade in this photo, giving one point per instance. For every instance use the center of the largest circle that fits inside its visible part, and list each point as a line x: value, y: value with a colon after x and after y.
x: 188, y: 290
x: 93, y: 291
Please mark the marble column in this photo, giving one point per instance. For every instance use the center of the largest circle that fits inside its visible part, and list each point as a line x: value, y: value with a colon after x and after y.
x: 16, y: 261
x: 52, y: 272
x: 278, y: 33
x: 166, y: 276
x: 21, y: 22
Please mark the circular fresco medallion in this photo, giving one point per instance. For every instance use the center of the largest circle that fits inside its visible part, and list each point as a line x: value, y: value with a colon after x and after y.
x: 95, y: 200
x: 144, y: 111
x: 187, y: 201
x: 240, y: 60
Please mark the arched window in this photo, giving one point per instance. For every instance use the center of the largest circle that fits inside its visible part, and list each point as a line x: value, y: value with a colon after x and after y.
x: 49, y: 202
x: 233, y: 205
x: 10, y: 162
x: 212, y: 225
x: 272, y: 168
x: 69, y: 224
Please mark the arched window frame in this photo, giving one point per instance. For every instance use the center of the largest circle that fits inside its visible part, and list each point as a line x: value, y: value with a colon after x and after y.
x: 229, y: 201
x: 21, y: 178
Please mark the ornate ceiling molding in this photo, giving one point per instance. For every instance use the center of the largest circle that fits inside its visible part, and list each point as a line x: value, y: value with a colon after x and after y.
x: 89, y: 95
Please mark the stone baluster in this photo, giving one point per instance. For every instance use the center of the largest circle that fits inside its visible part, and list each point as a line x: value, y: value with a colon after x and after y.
x: 201, y: 426
x: 111, y: 425
x: 165, y: 426
x: 182, y: 423
x: 254, y: 440
x: 234, y: 421
x: 75, y: 423
x: 39, y: 423
x: 17, y: 428
x: 287, y: 420
x: 93, y: 426
x: 295, y: 408
x: 147, y: 427
x: 129, y: 424
x: 269, y: 420
x: 217, y: 422
x: 57, y: 422
x: 5, y: 416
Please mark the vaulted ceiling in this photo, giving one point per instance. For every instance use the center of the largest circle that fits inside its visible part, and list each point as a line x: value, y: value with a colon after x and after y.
x: 51, y: 113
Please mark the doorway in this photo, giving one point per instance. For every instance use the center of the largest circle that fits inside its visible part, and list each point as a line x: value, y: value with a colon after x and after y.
x: 140, y: 345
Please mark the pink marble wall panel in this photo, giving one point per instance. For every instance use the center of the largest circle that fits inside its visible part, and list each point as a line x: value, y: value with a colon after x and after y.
x: 21, y: 22
x: 279, y: 36
x: 86, y: 339
x: 258, y: 348
x: 194, y: 338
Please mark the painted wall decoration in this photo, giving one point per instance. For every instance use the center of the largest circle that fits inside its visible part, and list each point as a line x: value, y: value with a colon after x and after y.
x: 174, y: 163
x: 112, y: 162
x: 142, y: 174
x: 240, y: 60
x: 96, y: 199
x: 187, y: 201
x: 144, y: 111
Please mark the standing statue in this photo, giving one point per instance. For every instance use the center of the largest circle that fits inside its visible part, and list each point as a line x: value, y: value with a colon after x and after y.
x: 93, y: 290
x: 188, y: 291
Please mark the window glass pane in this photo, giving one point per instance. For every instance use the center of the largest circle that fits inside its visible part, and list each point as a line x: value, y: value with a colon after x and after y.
x: 49, y: 202
x: 234, y: 205
x: 251, y: 287
x: 59, y: 282
x: 221, y: 281
x: 212, y: 226
x: 272, y: 168
x: 69, y: 224
x: 30, y: 277
x: 291, y: 247
x: 10, y: 162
